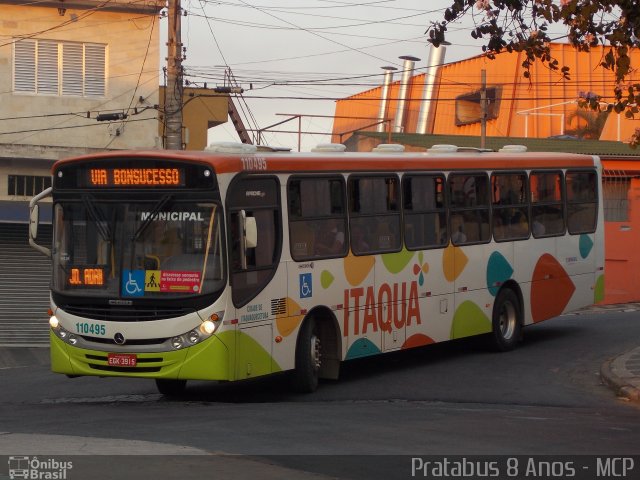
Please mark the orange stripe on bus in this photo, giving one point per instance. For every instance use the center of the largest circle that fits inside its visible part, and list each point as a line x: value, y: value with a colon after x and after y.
x: 353, y: 163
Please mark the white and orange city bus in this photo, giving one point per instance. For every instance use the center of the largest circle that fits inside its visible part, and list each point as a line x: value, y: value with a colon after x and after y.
x: 232, y: 263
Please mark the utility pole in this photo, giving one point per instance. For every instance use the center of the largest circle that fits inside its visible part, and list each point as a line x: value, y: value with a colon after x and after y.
x: 483, y: 108
x: 173, y: 102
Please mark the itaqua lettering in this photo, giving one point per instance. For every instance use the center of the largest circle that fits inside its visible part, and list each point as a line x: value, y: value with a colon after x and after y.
x: 401, y: 302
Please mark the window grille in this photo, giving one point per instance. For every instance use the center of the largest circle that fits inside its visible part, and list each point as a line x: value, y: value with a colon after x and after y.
x: 27, y: 185
x: 46, y: 67
x: 615, y: 194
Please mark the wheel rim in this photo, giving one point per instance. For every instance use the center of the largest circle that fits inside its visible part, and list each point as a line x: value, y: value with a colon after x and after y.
x: 508, y: 320
x: 315, y: 352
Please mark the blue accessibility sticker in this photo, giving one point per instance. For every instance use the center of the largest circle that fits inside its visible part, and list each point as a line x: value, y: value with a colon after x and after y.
x: 132, y: 283
x: 306, y: 289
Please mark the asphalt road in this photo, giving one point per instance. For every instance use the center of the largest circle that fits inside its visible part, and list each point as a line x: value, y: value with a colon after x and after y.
x: 544, y: 398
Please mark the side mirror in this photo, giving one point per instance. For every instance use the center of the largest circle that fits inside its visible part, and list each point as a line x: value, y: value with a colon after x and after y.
x: 34, y: 219
x: 248, y: 236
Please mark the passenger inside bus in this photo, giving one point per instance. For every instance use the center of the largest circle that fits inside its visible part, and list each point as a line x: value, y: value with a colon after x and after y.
x: 330, y: 238
x: 358, y: 242
x: 457, y: 230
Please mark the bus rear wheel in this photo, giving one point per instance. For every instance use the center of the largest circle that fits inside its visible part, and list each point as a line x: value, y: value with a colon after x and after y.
x: 308, y: 358
x: 170, y: 388
x: 506, y: 321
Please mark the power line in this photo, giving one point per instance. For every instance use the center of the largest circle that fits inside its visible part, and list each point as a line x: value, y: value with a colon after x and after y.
x: 315, y: 33
x: 81, y: 16
x: 37, y: 130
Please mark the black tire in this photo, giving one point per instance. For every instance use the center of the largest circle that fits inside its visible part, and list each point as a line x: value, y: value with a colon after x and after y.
x: 506, y: 321
x: 308, y: 358
x: 171, y: 388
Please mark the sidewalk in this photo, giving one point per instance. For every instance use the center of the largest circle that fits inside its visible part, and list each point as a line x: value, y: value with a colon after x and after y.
x: 622, y: 374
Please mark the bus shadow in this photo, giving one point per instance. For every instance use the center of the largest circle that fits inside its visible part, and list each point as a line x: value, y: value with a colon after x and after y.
x: 277, y: 388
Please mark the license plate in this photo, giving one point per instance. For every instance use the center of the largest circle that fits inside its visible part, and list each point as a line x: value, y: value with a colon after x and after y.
x: 122, y: 360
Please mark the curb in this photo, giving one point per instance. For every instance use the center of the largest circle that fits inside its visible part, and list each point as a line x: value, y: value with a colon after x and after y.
x: 616, y: 374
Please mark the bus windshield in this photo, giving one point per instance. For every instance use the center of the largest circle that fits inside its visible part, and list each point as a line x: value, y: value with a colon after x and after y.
x: 165, y: 248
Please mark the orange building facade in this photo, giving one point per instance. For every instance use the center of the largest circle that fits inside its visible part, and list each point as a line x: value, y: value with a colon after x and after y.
x: 544, y: 107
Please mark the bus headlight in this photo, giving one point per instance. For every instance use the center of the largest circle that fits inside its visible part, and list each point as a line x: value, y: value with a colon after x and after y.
x: 208, y: 327
x: 61, y: 332
x: 193, y: 336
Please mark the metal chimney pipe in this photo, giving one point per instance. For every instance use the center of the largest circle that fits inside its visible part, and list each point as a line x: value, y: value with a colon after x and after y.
x: 427, y: 107
x: 409, y: 62
x: 384, y: 98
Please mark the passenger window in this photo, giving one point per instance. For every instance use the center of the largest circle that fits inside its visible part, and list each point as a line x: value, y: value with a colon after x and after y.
x: 582, y: 202
x: 317, y: 218
x: 469, y: 212
x: 425, y: 218
x: 547, y: 214
x: 510, y: 220
x: 374, y: 207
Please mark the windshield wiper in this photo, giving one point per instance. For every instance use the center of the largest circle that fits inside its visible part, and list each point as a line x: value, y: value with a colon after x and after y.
x: 147, y: 221
x: 101, y: 223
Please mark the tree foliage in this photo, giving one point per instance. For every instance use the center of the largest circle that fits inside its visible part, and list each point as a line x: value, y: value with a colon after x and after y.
x: 523, y: 25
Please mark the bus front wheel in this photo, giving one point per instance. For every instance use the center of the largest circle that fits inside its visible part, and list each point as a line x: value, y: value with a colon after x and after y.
x: 170, y: 388
x: 308, y: 358
x: 507, y: 321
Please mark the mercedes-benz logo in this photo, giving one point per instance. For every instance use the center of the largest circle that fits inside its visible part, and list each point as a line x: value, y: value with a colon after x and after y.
x: 119, y: 338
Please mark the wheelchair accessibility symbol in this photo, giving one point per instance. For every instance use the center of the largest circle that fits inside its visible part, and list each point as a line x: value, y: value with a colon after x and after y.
x: 133, y: 283
x: 306, y: 290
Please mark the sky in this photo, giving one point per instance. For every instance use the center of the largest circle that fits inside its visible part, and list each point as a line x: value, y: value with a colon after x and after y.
x: 298, y: 57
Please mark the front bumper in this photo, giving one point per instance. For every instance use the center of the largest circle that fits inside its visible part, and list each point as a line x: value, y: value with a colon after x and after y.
x: 208, y: 360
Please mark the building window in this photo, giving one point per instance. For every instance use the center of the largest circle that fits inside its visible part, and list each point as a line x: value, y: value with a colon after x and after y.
x: 469, y: 106
x: 46, y: 67
x: 27, y: 185
x: 615, y: 191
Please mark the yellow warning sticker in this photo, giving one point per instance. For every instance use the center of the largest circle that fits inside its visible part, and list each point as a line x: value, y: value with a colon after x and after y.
x: 152, y: 280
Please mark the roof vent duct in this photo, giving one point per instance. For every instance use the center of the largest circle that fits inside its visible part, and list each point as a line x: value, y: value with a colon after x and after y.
x: 329, y: 148
x: 231, y: 147
x: 429, y: 98
x: 384, y: 98
x: 513, y: 149
x: 389, y: 148
x: 407, y: 71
